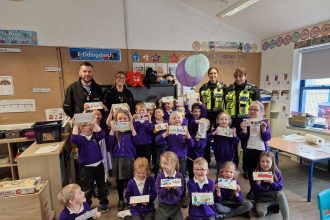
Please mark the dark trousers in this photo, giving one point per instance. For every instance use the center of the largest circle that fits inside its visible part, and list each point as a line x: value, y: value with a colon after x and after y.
x: 87, y: 176
x: 143, y: 151
x: 182, y: 170
x: 190, y: 167
x: 156, y: 152
x: 236, y: 123
x: 252, y: 160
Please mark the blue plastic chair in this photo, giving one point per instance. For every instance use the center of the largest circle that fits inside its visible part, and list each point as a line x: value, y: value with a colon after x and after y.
x: 323, y: 200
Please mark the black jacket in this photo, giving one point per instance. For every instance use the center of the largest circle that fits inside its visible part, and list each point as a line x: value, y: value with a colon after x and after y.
x: 76, y: 96
x: 112, y: 96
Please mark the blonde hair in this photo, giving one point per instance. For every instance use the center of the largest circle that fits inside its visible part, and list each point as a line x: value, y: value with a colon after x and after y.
x: 259, y: 104
x: 142, y: 163
x: 229, y: 165
x: 141, y: 105
x: 175, y: 113
x: 123, y: 111
x: 67, y: 193
x: 223, y: 113
x: 171, y: 157
x: 240, y: 71
x: 200, y: 161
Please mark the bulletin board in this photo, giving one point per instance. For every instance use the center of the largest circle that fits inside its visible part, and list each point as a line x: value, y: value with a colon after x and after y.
x: 28, y: 71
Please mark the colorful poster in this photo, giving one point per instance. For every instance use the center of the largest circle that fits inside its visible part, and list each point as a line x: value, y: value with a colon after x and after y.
x: 138, y: 67
x: 94, y: 54
x: 6, y: 85
x: 116, y: 107
x: 18, y: 37
x: 262, y: 176
x: 94, y: 105
x: 161, y: 68
x: 176, y: 182
x: 83, y: 117
x: 54, y: 114
x: 177, y: 129
x: 227, y: 183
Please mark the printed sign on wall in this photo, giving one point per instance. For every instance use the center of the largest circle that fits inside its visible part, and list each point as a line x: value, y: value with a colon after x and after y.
x: 94, y: 54
x: 18, y: 37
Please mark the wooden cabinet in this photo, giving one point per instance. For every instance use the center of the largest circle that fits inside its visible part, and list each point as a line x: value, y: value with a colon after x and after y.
x: 9, y: 147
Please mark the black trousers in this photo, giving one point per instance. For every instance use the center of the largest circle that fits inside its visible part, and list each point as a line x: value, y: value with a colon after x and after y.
x: 236, y: 123
x: 143, y: 151
x: 87, y: 176
x: 252, y: 160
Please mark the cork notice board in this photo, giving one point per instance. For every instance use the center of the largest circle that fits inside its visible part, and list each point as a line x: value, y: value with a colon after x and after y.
x: 28, y: 71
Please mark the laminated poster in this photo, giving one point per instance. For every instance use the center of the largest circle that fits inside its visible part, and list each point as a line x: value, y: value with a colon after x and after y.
x: 139, y: 199
x: 122, y: 126
x: 116, y: 107
x: 251, y: 122
x: 167, y: 99
x: 202, y: 198
x: 84, y: 117
x: 227, y: 132
x: 54, y: 114
x: 227, y: 183
x: 262, y: 176
x: 176, y: 129
x: 138, y: 67
x: 6, y: 85
x: 191, y: 94
x: 176, y: 182
x: 94, y: 105
x: 161, y: 126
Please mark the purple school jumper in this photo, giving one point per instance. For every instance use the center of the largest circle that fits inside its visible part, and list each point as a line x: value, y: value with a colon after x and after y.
x: 145, y: 131
x: 265, y: 136
x: 224, y: 148
x: 190, y: 116
x: 89, y: 150
x: 175, y: 143
x: 228, y: 195
x: 267, y: 187
x: 197, y: 150
x: 168, y: 196
x: 65, y: 214
x: 124, y: 147
x: 196, y: 212
x: 149, y: 189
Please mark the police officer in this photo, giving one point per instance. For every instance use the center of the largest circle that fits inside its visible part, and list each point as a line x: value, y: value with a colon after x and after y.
x: 238, y: 99
x: 212, y: 95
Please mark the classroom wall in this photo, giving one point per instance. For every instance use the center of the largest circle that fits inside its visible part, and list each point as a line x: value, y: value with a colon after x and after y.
x: 151, y: 24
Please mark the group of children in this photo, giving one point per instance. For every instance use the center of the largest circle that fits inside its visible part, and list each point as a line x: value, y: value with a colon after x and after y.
x: 174, y: 154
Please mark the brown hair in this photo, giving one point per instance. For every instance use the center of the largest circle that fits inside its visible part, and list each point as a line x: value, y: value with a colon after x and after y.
x: 212, y: 67
x: 273, y: 168
x: 123, y: 111
x: 223, y: 113
x: 86, y: 64
x: 141, y: 105
x: 171, y: 157
x: 67, y: 193
x: 142, y: 162
x: 240, y: 71
x: 228, y: 165
x: 200, y: 161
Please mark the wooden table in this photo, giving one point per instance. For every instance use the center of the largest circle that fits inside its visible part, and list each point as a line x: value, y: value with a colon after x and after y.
x: 50, y: 166
x: 295, y: 148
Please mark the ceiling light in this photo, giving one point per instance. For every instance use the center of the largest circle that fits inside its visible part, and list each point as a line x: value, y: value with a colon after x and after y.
x: 240, y: 5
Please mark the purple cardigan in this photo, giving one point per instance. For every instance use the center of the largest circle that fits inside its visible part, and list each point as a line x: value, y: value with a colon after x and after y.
x: 169, y: 196
x: 175, y: 143
x: 228, y: 195
x: 265, y: 136
x: 149, y: 189
x: 201, y: 210
x: 267, y: 187
x: 124, y: 147
x: 224, y: 148
x: 145, y: 131
x: 89, y: 150
x: 65, y: 214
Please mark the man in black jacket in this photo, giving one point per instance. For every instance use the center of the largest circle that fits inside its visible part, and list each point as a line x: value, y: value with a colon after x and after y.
x: 82, y: 91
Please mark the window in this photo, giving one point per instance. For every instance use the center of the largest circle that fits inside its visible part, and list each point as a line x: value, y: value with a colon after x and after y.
x: 315, y: 93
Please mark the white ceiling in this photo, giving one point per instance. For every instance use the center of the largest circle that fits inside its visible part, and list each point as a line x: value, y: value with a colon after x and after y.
x: 268, y: 18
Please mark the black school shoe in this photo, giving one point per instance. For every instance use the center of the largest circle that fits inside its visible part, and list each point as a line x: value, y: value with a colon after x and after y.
x: 274, y: 208
x: 121, y: 205
x: 247, y: 214
x: 185, y: 201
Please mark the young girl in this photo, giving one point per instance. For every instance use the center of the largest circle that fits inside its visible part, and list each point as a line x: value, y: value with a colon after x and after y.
x: 228, y: 202
x: 169, y: 197
x: 75, y: 203
x: 123, y: 152
x: 254, y: 140
x: 90, y: 159
x: 177, y: 144
x: 268, y: 192
x: 201, y: 184
x: 224, y: 147
x: 142, y: 184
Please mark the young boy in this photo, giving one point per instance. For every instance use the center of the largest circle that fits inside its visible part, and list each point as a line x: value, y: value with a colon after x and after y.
x: 201, y: 184
x: 90, y: 159
x: 144, y: 128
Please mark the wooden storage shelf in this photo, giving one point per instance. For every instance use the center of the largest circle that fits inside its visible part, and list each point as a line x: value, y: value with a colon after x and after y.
x: 9, y: 147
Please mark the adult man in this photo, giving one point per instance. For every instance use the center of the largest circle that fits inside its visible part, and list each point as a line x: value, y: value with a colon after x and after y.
x: 81, y: 91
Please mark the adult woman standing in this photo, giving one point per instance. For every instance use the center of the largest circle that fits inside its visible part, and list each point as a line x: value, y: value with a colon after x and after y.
x: 212, y: 95
x: 239, y: 96
x: 119, y: 93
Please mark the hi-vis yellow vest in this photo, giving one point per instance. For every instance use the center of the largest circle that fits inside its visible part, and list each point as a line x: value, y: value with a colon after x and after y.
x: 218, y: 95
x: 243, y: 99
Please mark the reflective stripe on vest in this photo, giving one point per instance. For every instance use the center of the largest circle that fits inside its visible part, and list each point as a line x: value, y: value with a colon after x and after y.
x: 244, y: 102
x: 218, y: 98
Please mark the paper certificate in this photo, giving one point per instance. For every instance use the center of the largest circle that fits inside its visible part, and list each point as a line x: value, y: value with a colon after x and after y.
x: 139, y: 199
x: 142, y: 118
x: 180, y: 100
x: 176, y: 129
x: 176, y: 182
x: 202, y: 129
x: 192, y: 95
x: 84, y: 117
x: 122, y: 126
x: 227, y: 132
x: 202, y: 198
x: 167, y: 99
x: 251, y: 122
x: 94, y: 105
x: 116, y: 107
x: 87, y: 215
x: 262, y: 176
x: 227, y: 183
x: 161, y: 126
